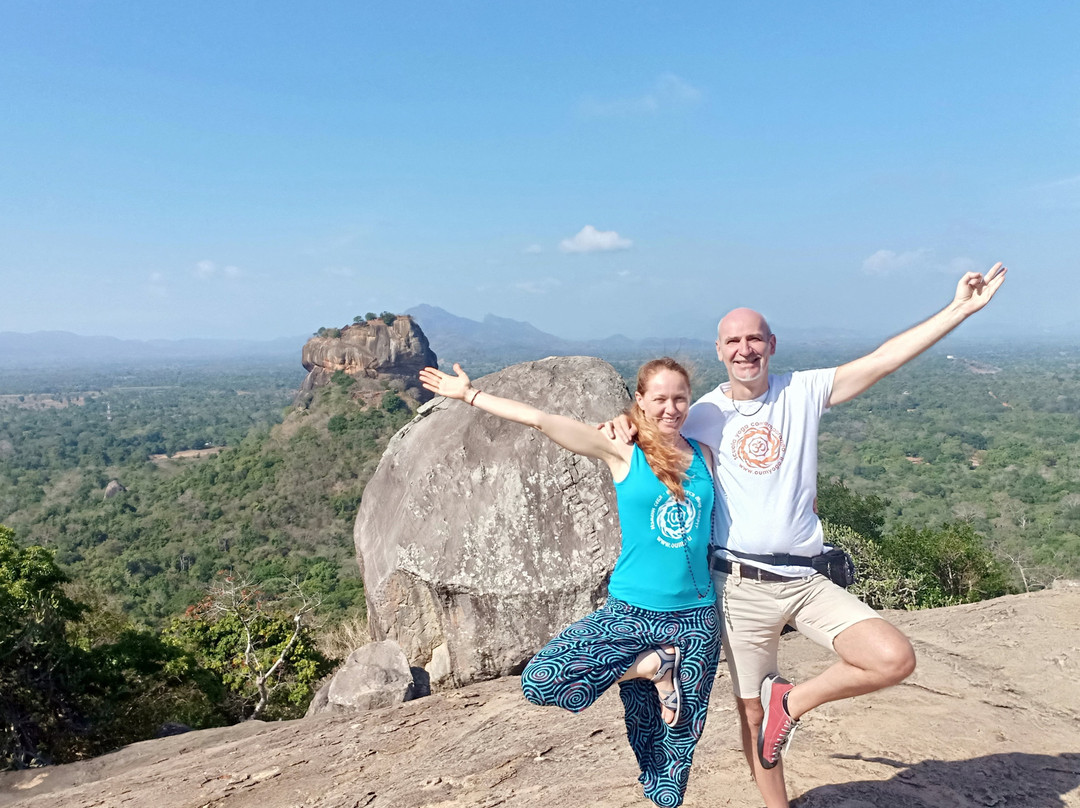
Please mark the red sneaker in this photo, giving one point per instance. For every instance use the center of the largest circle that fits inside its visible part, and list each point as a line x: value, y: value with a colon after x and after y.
x: 777, y: 727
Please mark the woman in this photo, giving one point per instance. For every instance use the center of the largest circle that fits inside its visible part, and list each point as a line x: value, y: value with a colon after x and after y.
x: 657, y: 633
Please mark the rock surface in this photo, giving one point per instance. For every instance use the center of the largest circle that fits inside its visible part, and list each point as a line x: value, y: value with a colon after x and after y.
x: 479, y: 539
x: 374, y: 353
x: 991, y: 717
x: 374, y: 675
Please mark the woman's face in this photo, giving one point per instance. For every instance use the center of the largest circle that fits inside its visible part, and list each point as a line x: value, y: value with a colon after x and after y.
x: 666, y: 400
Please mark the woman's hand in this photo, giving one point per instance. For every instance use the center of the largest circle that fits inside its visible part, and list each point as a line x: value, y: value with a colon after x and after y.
x: 443, y: 384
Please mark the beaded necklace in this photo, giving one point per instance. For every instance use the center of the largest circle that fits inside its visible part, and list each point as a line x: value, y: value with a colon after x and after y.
x: 684, y: 529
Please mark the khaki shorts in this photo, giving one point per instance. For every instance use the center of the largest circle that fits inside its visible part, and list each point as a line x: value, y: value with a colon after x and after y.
x: 754, y: 613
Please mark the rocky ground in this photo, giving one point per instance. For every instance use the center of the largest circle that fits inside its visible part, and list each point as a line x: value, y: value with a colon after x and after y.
x: 990, y: 718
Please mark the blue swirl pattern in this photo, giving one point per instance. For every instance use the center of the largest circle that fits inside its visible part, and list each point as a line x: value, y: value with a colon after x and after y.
x: 588, y: 657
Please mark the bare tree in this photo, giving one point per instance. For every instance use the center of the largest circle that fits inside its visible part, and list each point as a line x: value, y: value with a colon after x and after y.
x: 1018, y: 560
x: 246, y: 603
x: 967, y: 512
x: 1070, y: 501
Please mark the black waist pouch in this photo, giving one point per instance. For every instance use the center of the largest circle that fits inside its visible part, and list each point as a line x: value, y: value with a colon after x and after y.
x: 836, y: 565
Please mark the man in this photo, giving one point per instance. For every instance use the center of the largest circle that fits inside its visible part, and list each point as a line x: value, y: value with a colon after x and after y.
x: 764, y: 429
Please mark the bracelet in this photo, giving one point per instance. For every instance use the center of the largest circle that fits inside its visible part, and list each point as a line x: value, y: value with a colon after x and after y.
x: 470, y: 401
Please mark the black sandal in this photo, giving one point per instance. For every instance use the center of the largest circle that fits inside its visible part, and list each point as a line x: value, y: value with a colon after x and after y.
x: 671, y: 699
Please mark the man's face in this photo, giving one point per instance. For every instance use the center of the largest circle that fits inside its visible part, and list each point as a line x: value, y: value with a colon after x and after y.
x: 744, y: 345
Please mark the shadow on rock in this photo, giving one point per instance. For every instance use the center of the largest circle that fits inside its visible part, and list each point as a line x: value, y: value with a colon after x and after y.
x: 421, y: 682
x: 1014, y: 780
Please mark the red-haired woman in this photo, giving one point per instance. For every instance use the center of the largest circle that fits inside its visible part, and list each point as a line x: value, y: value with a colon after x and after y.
x: 657, y: 633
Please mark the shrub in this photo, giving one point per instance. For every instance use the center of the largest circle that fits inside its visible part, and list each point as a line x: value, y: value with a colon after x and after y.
x: 880, y: 581
x: 841, y: 506
x: 392, y: 402
x: 953, y: 560
x: 77, y: 680
x: 40, y: 671
x: 342, y: 379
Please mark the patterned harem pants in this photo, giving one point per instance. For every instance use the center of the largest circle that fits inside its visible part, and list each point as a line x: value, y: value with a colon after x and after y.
x: 589, y: 656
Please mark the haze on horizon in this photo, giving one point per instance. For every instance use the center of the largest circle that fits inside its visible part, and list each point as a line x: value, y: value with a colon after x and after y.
x: 260, y: 171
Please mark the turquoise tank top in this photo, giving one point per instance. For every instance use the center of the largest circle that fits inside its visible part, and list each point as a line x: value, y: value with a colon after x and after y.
x: 663, y: 565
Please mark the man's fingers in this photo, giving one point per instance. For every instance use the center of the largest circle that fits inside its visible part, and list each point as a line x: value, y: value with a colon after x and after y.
x: 994, y: 270
x: 993, y: 285
x: 969, y: 283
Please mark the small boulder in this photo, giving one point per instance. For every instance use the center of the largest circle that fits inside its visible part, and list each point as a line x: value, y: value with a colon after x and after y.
x: 171, y: 728
x: 113, y: 488
x: 375, y: 675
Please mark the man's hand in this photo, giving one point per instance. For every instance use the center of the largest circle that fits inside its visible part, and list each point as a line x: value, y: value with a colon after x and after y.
x: 619, y: 428
x: 973, y: 292
x: 975, y: 289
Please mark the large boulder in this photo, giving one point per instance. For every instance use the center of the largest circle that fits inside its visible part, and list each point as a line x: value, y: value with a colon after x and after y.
x: 378, y: 355
x: 480, y: 539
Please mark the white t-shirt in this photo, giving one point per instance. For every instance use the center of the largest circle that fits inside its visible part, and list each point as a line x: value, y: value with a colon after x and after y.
x: 766, y: 474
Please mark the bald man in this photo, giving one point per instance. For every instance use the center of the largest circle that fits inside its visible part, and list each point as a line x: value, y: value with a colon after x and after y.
x: 764, y: 430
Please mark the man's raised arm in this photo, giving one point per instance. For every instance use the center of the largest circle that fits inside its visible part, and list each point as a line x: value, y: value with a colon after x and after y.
x: 972, y: 293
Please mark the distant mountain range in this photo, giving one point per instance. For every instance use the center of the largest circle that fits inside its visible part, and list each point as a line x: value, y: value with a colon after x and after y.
x: 456, y: 338
x: 453, y: 338
x: 63, y: 348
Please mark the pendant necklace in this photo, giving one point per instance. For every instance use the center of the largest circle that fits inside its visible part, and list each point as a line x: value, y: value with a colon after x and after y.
x: 756, y: 410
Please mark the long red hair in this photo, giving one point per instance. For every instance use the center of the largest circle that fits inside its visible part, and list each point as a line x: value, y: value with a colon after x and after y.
x: 669, y: 463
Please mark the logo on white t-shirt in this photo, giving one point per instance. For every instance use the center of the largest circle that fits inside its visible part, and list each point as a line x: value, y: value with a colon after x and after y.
x: 675, y: 520
x: 759, y: 448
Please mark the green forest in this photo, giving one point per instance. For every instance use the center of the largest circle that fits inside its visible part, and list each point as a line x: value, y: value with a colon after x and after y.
x: 229, y: 523
x: 158, y: 519
x: 990, y: 441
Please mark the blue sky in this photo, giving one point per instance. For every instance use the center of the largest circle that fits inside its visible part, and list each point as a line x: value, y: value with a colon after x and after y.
x: 263, y: 169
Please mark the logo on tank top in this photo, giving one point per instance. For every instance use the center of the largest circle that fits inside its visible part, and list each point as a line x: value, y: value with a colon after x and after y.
x: 675, y: 520
x: 759, y: 448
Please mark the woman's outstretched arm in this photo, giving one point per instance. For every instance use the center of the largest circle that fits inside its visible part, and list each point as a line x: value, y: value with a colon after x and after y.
x: 579, y: 438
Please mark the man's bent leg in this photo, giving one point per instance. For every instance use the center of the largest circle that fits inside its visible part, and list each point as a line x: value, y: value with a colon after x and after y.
x: 874, y: 655
x: 770, y: 782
